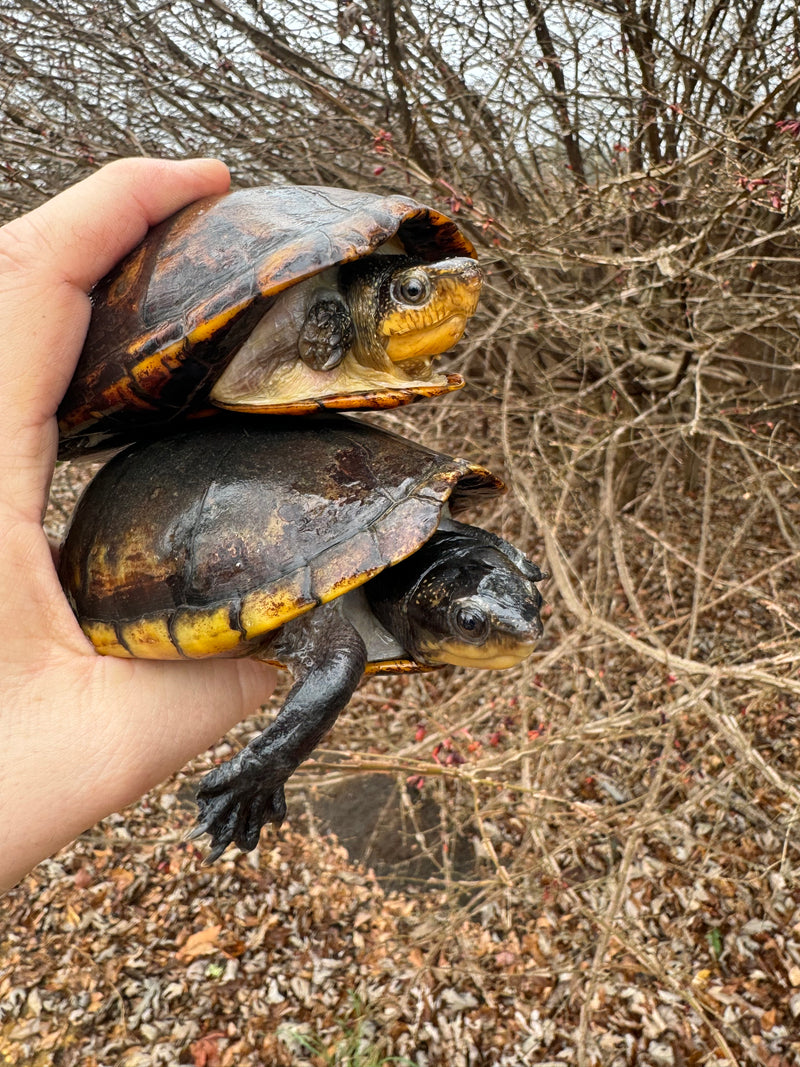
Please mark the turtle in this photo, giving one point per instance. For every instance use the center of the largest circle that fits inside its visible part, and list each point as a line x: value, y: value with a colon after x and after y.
x: 325, y: 545
x: 272, y: 299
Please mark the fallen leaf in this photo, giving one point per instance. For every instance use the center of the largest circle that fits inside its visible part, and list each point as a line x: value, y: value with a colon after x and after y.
x: 203, y: 943
x: 121, y: 878
x: 205, y: 1051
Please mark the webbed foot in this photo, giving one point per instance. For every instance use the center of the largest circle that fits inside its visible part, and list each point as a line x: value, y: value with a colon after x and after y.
x: 234, y: 805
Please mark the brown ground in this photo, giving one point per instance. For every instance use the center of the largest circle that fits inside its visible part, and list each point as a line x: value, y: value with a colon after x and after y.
x: 588, y: 860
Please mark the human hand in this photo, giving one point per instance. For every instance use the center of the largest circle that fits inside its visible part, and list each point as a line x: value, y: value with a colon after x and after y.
x: 83, y: 735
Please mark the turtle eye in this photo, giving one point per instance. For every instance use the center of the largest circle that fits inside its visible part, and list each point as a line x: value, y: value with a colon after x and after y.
x: 470, y: 623
x: 414, y: 289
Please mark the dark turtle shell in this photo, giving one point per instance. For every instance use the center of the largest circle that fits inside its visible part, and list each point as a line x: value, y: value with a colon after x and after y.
x: 169, y: 318
x: 201, y: 543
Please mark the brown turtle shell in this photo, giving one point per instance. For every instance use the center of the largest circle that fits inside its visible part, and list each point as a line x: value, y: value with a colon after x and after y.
x: 169, y: 318
x: 201, y: 543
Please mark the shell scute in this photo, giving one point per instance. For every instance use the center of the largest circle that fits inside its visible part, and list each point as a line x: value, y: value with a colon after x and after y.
x: 198, y: 631
x: 149, y: 638
x: 264, y: 610
x: 401, y: 529
x: 346, y: 565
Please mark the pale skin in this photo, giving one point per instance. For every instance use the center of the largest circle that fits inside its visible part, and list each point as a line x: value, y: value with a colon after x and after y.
x: 83, y: 735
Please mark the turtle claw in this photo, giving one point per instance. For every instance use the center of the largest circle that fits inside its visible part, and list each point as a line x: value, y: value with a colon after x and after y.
x: 214, y: 854
x: 196, y: 831
x: 232, y: 810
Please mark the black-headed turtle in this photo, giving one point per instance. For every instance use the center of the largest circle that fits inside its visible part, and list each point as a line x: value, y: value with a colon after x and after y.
x: 323, y: 545
x: 283, y: 299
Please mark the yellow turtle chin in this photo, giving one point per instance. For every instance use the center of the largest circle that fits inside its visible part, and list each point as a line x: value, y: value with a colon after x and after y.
x: 497, y: 656
x: 426, y: 342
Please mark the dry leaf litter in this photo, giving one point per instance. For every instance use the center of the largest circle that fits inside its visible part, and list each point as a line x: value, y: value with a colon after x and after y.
x: 589, y: 860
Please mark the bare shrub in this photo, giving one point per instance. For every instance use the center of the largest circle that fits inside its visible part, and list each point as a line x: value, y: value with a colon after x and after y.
x: 628, y: 172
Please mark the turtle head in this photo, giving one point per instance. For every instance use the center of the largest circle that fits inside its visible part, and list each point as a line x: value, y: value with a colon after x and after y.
x: 460, y: 600
x: 411, y: 311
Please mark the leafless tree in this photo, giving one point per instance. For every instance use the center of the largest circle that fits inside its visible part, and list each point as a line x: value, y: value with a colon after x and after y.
x: 628, y: 171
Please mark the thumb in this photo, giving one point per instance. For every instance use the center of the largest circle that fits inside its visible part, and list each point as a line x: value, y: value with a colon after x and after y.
x: 49, y: 259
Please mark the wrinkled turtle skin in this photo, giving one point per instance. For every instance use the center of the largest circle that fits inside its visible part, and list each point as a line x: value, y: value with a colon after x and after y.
x: 170, y: 318
x: 323, y: 545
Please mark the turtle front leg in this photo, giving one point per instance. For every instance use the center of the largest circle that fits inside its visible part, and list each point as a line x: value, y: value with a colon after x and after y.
x: 327, y: 332
x: 327, y: 658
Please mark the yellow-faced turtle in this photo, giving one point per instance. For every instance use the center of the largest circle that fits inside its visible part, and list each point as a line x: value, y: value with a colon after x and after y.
x: 323, y: 545
x: 277, y: 300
